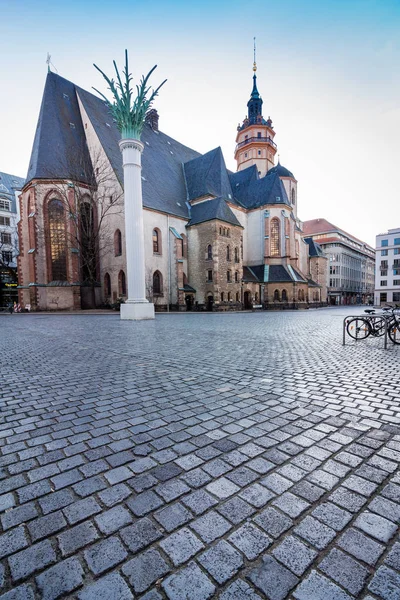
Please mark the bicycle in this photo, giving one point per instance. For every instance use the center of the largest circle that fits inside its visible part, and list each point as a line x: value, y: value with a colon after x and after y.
x: 359, y: 328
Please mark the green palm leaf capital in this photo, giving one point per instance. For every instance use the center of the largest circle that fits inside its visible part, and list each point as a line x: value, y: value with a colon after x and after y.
x: 129, y: 112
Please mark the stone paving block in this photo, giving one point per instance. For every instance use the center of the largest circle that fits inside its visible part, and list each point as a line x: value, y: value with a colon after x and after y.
x: 371, y: 473
x: 90, y: 486
x: 250, y: 540
x: 222, y: 561
x: 167, y: 471
x: 181, y: 546
x: 222, y: 488
x: 81, y: 510
x: 332, y: 515
x: 273, y: 522
x: 115, y: 494
x: 34, y: 490
x: 22, y: 592
x: 199, y: 501
x: 318, y: 534
x: 172, y: 489
x: 290, y: 504
x: 56, y: 500
x: 235, y: 510
x: 393, y: 558
x: 276, y: 483
x: 317, y: 587
x: 13, y: 540
x: 32, y: 559
x: 77, y: 537
x: 386, y: 508
x: 376, y: 526
x: 386, y: 584
x: 144, y: 503
x: 173, y: 516
x: 273, y: 579
x: 210, y: 526
x: 18, y: 515
x: 360, y: 485
x: 63, y: 578
x: 112, y: 520
x: 139, y: 535
x: 257, y: 495
x: 189, y: 462
x: 295, y: 555
x: 392, y: 492
x: 348, y: 500
x: 239, y: 590
x: 360, y: 546
x: 145, y: 569
x: 104, y: 555
x: 196, y: 478
x: 109, y: 587
x: 143, y: 482
x: 6, y: 501
x: 345, y: 571
x: 242, y: 476
x: 46, y: 526
x: 190, y: 583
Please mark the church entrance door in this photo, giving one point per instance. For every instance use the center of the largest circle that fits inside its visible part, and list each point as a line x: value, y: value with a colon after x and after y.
x: 210, y: 302
x: 189, y: 302
x: 247, y: 300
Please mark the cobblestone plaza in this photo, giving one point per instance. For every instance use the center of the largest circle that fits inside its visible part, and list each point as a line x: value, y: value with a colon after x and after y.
x: 236, y: 456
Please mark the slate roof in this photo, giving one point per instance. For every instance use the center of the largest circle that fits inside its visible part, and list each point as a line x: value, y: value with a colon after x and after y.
x: 172, y: 174
x: 272, y: 274
x: 314, y: 249
x: 251, y: 191
x: 212, y: 209
x: 281, y: 171
x: 9, y: 184
x: 207, y: 175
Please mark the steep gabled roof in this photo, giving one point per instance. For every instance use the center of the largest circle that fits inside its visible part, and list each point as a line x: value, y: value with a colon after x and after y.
x: 207, y: 176
x: 272, y: 274
x: 314, y: 249
x: 59, y: 148
x: 9, y: 184
x: 212, y: 209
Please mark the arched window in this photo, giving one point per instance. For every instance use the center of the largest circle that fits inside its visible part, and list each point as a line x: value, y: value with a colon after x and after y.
x: 237, y: 297
x: 228, y: 253
x: 256, y: 298
x: 229, y: 297
x: 157, y: 283
x: 184, y: 245
x: 236, y: 276
x: 156, y: 241
x: 293, y: 197
x: 117, y: 243
x: 275, y: 238
x: 284, y: 296
x: 184, y: 279
x: 121, y: 284
x: 107, y: 285
x: 237, y: 255
x: 222, y: 296
x: 228, y: 276
x: 209, y: 252
x: 276, y: 296
x: 57, y: 240
x: 301, y: 295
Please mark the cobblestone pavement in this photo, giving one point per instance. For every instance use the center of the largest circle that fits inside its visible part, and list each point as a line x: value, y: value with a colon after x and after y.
x: 229, y: 456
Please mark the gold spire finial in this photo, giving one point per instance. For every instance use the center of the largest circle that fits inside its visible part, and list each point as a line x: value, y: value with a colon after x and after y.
x: 254, y: 63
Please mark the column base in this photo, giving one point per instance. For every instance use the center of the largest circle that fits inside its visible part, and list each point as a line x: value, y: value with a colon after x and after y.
x: 137, y: 312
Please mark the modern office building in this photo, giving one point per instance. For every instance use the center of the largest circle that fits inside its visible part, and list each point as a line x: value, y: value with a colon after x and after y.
x: 350, y: 276
x: 387, y: 273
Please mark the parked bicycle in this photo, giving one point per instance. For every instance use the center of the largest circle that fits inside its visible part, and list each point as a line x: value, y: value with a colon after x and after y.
x: 359, y: 328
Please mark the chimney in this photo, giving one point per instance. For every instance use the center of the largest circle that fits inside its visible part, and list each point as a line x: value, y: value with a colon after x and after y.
x: 152, y: 119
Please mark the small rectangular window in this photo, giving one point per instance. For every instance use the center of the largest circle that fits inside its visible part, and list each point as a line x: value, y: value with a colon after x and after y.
x: 396, y: 241
x: 396, y: 296
x: 4, y: 205
x: 383, y: 297
x: 396, y: 281
x: 6, y: 238
x: 384, y: 242
x: 5, y: 221
x: 7, y: 257
x: 384, y: 252
x: 209, y: 275
x: 384, y: 283
x: 396, y: 251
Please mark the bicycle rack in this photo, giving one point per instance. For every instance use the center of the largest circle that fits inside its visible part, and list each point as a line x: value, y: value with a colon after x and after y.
x: 369, y: 316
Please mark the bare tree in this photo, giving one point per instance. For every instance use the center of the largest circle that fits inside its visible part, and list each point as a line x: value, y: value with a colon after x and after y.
x: 91, y: 196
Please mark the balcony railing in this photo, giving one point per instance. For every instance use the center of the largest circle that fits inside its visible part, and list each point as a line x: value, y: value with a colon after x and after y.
x: 262, y: 140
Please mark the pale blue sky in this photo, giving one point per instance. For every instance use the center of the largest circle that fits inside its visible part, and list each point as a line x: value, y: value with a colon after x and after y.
x: 327, y: 71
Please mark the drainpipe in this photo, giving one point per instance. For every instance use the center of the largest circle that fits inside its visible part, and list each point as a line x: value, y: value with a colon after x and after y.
x: 168, y: 264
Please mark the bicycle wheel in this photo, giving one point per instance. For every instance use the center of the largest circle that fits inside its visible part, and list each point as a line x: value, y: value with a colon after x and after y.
x: 394, y: 333
x: 358, y: 328
x: 378, y: 326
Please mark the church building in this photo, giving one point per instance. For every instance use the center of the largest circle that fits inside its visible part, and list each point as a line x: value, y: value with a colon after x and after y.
x: 214, y: 239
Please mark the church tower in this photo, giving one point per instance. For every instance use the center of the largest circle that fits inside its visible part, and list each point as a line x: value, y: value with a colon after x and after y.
x: 255, y: 137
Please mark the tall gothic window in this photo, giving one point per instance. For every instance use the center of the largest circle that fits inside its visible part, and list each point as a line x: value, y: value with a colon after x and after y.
x: 228, y: 253
x: 107, y: 285
x: 236, y: 254
x: 156, y: 241
x: 157, y: 283
x: 121, y: 284
x: 209, y: 252
x: 293, y: 197
x: 58, y: 241
x: 275, y: 238
x: 117, y: 243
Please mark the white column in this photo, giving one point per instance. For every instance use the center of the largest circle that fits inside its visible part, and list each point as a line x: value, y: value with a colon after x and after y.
x: 137, y: 307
